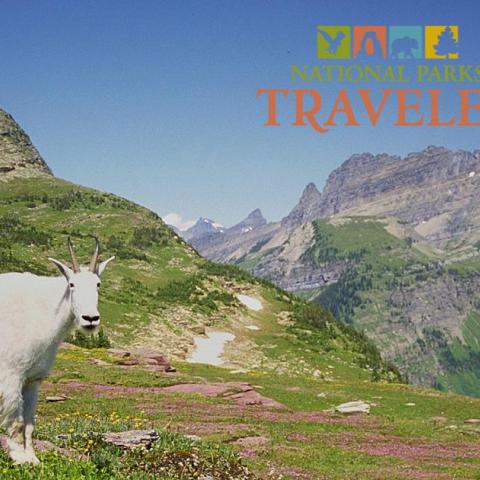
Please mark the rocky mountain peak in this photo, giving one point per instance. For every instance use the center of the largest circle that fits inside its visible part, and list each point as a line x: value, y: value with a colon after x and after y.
x: 306, y: 209
x: 253, y: 220
x: 18, y: 156
x: 255, y: 214
x: 202, y: 227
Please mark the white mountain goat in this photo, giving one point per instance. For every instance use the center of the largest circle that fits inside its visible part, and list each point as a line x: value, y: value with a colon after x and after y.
x: 36, y: 313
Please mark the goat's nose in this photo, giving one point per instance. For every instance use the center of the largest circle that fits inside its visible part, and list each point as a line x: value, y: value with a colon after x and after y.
x: 91, y: 318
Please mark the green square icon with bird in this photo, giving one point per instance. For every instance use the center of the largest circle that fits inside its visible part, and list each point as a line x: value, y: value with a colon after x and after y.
x: 333, y: 41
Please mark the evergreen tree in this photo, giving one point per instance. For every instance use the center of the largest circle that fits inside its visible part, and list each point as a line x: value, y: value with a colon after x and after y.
x: 446, y: 43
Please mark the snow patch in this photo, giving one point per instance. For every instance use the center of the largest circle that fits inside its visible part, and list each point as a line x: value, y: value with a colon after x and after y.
x: 209, y: 349
x: 471, y: 174
x: 251, y: 302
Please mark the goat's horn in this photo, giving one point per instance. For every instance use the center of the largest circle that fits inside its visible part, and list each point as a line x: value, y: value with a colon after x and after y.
x: 75, y: 265
x: 93, y: 262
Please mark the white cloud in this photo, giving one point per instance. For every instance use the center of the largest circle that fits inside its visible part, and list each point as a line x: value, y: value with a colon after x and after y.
x: 177, y: 221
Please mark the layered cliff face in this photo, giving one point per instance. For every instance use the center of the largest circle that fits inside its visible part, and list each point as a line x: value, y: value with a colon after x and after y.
x: 435, y: 191
x: 18, y: 156
x: 391, y: 245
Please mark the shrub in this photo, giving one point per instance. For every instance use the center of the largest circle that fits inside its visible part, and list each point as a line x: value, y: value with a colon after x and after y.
x: 99, y: 340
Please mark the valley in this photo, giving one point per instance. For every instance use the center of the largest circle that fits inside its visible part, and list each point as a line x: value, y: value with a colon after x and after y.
x: 390, y: 246
x: 269, y: 410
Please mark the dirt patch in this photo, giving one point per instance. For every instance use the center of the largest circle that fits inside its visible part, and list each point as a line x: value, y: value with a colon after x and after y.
x: 318, y: 417
x: 250, y: 446
x: 241, y: 393
x: 406, y: 449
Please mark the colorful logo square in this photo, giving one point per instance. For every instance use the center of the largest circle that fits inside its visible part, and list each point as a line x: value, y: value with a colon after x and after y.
x: 405, y: 43
x: 333, y: 41
x: 369, y: 42
x: 441, y: 42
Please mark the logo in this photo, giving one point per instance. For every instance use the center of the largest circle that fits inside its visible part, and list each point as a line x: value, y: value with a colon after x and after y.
x: 405, y: 43
x: 369, y: 43
x: 441, y: 42
x: 333, y: 42
x: 373, y: 42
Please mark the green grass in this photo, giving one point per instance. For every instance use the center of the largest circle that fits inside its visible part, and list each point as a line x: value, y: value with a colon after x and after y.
x: 380, y: 283
x: 323, y: 445
x: 156, y: 291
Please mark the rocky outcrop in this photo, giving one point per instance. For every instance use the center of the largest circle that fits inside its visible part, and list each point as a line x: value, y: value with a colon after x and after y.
x: 307, y: 209
x: 254, y: 220
x: 436, y: 191
x: 18, y: 156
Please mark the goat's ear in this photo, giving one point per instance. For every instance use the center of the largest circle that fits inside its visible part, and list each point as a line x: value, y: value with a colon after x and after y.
x: 102, y: 265
x: 64, y: 270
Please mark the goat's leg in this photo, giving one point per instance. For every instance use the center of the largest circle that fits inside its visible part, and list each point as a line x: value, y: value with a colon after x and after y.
x: 15, y: 426
x: 30, y: 393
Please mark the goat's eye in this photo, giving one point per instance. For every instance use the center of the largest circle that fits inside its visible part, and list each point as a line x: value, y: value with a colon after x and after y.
x: 98, y: 285
x: 72, y: 285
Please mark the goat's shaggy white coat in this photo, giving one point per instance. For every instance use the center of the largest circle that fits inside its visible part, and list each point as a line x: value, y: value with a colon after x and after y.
x: 36, y: 313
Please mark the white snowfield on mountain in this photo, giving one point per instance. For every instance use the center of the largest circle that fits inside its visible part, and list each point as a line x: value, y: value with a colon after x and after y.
x: 209, y: 349
x: 251, y: 302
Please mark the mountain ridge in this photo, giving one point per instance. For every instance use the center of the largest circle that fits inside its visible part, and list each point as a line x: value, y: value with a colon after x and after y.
x: 337, y: 248
x: 18, y: 155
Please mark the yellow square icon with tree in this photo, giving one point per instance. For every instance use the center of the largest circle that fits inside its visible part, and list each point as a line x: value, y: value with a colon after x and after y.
x: 333, y: 41
x: 441, y: 42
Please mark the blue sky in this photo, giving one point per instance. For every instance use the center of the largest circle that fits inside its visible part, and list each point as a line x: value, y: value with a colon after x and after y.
x: 155, y: 100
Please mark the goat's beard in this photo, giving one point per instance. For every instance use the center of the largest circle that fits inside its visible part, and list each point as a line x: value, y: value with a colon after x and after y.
x: 89, y: 330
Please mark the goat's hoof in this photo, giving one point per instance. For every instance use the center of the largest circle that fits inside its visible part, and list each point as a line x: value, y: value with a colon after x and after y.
x: 21, y: 456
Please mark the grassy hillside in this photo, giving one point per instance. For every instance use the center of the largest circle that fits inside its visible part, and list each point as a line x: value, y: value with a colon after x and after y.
x: 159, y: 293
x: 410, y: 433
x: 407, y: 298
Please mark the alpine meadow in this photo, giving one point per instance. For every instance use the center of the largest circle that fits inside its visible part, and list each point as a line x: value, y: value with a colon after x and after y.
x: 130, y: 403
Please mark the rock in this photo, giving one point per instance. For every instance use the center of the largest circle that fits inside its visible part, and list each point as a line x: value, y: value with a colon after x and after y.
x: 473, y: 421
x: 98, y: 362
x: 321, y: 395
x: 56, y: 398
x: 194, y: 438
x: 119, y: 352
x: 131, y: 438
x: 153, y: 357
x: 199, y: 329
x: 353, y: 407
x: 410, y: 404
x: 241, y: 393
x: 18, y: 156
x: 137, y: 356
x: 127, y: 362
x: 439, y: 419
